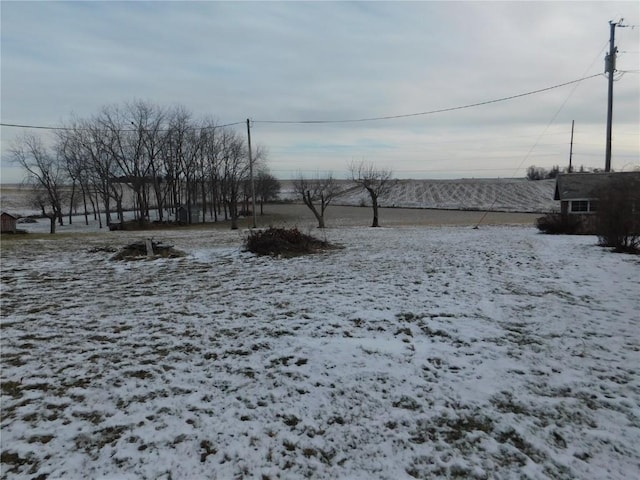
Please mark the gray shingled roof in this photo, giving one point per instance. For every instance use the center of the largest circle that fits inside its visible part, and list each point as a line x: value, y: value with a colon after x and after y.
x: 573, y: 186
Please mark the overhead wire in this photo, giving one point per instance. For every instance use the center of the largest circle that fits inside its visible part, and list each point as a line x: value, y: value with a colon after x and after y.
x: 553, y: 118
x: 430, y: 112
x: 82, y: 129
x: 357, y: 120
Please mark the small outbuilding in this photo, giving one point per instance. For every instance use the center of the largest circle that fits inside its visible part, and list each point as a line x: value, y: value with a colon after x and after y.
x: 182, y: 215
x: 578, y: 192
x: 8, y: 223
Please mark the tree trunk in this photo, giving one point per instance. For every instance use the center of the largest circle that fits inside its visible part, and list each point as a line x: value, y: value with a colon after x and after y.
x: 52, y: 224
x: 71, y: 201
x: 84, y: 201
x: 308, y: 201
x: 374, y: 202
x: 203, y: 190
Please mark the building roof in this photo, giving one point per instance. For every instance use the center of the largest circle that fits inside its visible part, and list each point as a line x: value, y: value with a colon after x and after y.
x: 575, y: 186
x: 9, y: 215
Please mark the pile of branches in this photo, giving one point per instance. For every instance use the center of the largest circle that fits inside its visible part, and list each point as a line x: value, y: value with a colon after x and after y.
x: 138, y: 250
x: 284, y: 242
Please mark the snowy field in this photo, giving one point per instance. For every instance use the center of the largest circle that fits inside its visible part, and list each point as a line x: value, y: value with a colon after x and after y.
x: 413, y: 352
x: 495, y: 194
x: 498, y: 194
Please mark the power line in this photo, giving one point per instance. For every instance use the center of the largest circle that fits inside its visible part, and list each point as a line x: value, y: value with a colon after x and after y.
x: 370, y: 119
x: 528, y: 154
x: 41, y: 127
x: 430, y: 112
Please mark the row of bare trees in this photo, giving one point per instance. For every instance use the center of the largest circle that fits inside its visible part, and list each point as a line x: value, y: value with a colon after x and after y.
x: 318, y: 193
x: 164, y: 157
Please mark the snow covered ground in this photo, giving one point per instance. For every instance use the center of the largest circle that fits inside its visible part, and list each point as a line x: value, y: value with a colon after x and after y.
x: 413, y: 352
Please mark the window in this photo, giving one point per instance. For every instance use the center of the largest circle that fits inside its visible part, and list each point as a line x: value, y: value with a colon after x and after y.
x: 580, y: 206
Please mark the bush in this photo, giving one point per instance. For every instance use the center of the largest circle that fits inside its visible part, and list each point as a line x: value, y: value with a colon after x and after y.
x: 557, y: 224
x: 618, y: 215
x: 283, y: 242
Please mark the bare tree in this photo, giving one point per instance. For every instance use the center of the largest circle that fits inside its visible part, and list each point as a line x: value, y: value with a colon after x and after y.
x: 130, y: 136
x: 234, y: 170
x: 71, y: 150
x: 267, y: 187
x: 376, y: 182
x: 183, y: 150
x: 211, y: 160
x: 317, y: 194
x: 103, y: 170
x: 45, y: 172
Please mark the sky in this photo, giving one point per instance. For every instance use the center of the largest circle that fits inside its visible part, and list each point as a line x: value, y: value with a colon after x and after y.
x: 278, y: 63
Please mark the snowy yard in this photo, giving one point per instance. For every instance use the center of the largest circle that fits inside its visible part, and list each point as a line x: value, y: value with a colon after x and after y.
x: 414, y: 352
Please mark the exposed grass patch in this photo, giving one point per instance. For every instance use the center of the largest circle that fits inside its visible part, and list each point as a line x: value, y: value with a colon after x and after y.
x: 12, y: 388
x: 511, y: 436
x: 407, y: 403
x: 207, y: 449
x: 451, y: 430
x: 290, y: 420
x: 40, y: 439
x: 16, y: 462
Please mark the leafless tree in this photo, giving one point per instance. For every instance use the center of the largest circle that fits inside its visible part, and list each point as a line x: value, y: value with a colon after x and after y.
x: 211, y: 155
x: 234, y: 170
x: 162, y: 155
x: 77, y: 161
x: 103, y: 170
x: 183, y: 148
x: 377, y: 182
x: 46, y: 173
x: 131, y: 138
x: 267, y: 187
x: 317, y: 194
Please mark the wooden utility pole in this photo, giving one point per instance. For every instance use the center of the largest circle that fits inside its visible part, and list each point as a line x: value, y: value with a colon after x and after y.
x: 610, y: 68
x: 571, y: 148
x: 253, y: 189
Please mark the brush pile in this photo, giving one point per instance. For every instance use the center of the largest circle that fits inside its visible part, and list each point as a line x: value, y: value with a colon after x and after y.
x: 284, y: 243
x: 146, y: 249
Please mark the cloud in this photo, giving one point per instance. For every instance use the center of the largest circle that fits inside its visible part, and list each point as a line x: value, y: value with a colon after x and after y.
x: 333, y: 61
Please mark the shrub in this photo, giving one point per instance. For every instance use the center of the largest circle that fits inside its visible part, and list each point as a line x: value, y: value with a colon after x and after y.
x: 283, y: 242
x: 555, y: 224
x: 618, y: 215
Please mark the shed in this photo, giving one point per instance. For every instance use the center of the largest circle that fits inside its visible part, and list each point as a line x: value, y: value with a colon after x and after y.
x: 578, y: 192
x: 182, y: 215
x: 8, y: 223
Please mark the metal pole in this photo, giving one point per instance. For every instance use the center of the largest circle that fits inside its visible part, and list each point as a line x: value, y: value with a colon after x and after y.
x: 253, y: 189
x: 610, y: 67
x: 571, y: 148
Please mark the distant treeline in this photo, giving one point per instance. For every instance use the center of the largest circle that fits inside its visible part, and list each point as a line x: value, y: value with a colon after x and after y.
x: 166, y: 157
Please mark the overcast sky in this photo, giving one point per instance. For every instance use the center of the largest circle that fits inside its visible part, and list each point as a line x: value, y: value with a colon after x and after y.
x: 301, y: 61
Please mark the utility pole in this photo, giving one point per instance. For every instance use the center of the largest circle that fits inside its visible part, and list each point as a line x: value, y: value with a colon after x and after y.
x: 610, y: 68
x: 253, y: 189
x: 571, y: 148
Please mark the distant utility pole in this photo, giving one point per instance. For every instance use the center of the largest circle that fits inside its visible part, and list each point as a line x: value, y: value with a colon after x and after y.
x: 571, y: 148
x: 253, y: 188
x: 610, y: 68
